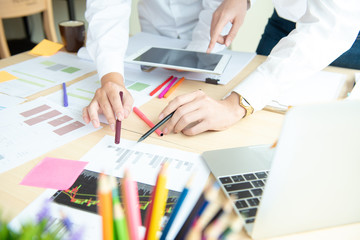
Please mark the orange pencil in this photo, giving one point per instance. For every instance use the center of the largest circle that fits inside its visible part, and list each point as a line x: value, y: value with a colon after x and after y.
x: 173, y: 87
x: 105, y: 207
x: 158, y: 204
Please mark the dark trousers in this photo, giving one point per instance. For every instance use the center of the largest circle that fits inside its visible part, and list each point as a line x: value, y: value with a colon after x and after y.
x: 278, y: 28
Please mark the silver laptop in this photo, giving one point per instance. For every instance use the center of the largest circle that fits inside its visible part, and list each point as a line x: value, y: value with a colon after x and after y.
x: 311, y: 180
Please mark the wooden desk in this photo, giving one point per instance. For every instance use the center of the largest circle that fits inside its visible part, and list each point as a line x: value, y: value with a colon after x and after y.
x: 261, y: 127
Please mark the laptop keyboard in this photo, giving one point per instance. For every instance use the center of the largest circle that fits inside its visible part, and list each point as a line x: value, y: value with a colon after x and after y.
x: 246, y: 190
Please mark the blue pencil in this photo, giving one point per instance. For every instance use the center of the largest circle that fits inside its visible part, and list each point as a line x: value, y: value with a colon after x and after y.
x: 176, y: 209
x: 65, y: 95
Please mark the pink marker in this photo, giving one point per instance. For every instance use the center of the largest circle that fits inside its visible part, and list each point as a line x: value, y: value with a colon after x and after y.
x: 161, y: 95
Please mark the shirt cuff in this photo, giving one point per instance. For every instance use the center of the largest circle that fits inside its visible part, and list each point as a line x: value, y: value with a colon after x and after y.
x: 257, y: 89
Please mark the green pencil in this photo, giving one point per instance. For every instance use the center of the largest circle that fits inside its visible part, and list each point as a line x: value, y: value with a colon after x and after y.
x: 120, y: 227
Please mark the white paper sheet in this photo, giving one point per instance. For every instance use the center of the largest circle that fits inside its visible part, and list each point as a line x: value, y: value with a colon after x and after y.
x: 9, y: 101
x: 355, y: 92
x: 144, y: 161
x: 321, y: 87
x: 41, y: 73
x: 31, y: 129
x: 137, y: 82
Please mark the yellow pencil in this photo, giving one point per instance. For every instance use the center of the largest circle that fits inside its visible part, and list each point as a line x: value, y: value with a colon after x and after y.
x: 173, y: 87
x: 105, y: 207
x: 158, y: 204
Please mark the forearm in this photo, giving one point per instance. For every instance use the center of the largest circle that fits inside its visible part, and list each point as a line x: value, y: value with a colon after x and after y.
x: 108, y: 32
x: 322, y: 34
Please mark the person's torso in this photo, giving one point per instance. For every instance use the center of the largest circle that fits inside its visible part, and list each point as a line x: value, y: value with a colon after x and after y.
x: 171, y: 18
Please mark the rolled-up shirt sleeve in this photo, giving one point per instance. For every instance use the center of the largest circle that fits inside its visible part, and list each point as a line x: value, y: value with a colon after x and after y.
x: 322, y: 34
x: 108, y: 33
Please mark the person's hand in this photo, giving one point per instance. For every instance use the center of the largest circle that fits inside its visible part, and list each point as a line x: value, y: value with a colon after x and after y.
x: 196, y: 113
x: 107, y: 101
x: 232, y: 11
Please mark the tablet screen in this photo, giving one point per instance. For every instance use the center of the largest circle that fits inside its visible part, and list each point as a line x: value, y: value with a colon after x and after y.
x: 173, y: 57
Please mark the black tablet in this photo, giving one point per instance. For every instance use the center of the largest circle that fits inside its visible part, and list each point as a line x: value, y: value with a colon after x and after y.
x: 180, y: 59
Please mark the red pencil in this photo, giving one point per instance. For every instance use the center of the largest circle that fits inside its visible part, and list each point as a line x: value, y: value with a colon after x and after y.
x: 160, y: 86
x: 146, y: 120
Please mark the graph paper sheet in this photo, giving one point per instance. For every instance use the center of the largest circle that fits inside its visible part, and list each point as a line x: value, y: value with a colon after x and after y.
x: 31, y: 129
x: 41, y: 73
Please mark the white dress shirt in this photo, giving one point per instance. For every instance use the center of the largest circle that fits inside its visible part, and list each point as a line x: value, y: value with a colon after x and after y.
x: 324, y: 30
x: 108, y: 29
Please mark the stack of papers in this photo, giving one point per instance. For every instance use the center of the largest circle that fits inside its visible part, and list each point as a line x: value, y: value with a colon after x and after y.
x: 322, y: 86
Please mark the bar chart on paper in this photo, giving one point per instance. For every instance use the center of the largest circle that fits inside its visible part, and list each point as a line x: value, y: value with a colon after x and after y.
x: 81, y: 93
x: 40, y: 73
x: 34, y: 128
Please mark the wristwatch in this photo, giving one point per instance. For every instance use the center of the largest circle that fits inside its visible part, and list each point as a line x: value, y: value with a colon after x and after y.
x: 248, y: 108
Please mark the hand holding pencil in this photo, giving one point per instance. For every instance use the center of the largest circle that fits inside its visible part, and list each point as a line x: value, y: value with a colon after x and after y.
x: 196, y: 113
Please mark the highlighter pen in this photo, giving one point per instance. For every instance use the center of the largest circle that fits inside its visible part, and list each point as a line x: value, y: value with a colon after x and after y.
x: 118, y: 124
x: 161, y: 95
x: 65, y: 95
x: 146, y: 120
x: 160, y: 86
x: 173, y: 87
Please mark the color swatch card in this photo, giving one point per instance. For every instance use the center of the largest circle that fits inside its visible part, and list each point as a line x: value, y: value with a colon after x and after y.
x: 31, y: 129
x: 40, y: 73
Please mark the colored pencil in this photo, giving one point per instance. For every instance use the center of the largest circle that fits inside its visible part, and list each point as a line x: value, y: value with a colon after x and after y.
x: 158, y: 204
x: 215, y: 229
x: 160, y: 86
x: 176, y: 208
x: 118, y: 123
x: 173, y: 87
x: 193, y: 214
x: 146, y: 120
x: 131, y: 205
x: 208, y: 215
x: 161, y: 95
x: 120, y: 227
x: 156, y: 127
x: 65, y: 96
x: 105, y: 207
x: 233, y: 231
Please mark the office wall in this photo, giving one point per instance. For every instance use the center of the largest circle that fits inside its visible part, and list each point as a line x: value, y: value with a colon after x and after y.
x: 246, y: 40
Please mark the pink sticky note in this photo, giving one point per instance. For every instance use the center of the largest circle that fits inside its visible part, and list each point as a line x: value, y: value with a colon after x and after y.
x: 54, y: 173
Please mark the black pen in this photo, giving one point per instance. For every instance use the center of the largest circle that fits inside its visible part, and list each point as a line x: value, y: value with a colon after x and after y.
x: 156, y: 126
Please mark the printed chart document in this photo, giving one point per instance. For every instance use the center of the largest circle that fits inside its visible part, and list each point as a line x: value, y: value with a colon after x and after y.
x: 137, y: 82
x: 79, y: 202
x: 41, y: 73
x: 322, y: 86
x: 9, y: 101
x: 31, y: 129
